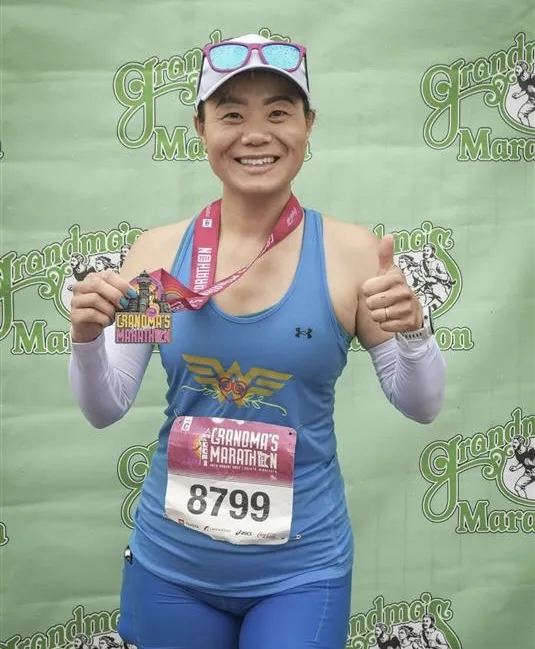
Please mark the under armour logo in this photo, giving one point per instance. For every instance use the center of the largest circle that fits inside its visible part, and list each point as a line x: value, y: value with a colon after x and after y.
x: 303, y: 332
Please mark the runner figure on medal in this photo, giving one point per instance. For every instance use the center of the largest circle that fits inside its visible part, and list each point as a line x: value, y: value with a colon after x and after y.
x: 242, y: 538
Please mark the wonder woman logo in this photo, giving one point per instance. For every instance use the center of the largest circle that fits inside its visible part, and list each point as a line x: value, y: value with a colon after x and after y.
x: 249, y: 389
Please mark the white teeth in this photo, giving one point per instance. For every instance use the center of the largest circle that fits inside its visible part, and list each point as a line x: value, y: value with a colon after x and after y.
x: 256, y: 161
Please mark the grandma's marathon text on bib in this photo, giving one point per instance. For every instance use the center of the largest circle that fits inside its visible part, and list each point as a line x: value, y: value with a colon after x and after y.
x: 231, y: 479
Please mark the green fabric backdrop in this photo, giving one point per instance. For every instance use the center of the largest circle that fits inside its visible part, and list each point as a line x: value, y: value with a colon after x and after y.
x: 417, y: 134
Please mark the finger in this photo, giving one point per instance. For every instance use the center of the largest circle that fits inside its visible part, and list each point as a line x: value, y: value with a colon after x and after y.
x: 95, y: 301
x: 385, y: 253
x: 106, y: 284
x: 398, y: 311
x: 109, y: 277
x: 395, y: 326
x: 398, y: 295
x: 119, y: 283
x: 382, y: 316
x: 383, y: 283
x: 90, y: 316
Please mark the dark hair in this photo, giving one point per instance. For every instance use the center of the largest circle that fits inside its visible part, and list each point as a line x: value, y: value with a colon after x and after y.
x: 295, y: 90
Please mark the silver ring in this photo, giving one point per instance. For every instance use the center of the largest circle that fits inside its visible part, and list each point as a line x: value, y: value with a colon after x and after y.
x: 387, y: 313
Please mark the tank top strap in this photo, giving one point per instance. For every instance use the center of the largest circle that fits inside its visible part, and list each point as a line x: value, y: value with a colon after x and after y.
x: 312, y: 254
x: 181, y: 267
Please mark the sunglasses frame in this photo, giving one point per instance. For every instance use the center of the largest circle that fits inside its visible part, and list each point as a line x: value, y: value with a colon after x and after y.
x: 252, y: 47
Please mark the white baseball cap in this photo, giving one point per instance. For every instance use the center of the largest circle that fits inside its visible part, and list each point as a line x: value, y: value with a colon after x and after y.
x: 210, y: 80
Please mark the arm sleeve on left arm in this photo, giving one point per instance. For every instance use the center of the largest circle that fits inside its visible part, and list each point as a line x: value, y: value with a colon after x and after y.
x: 413, y: 378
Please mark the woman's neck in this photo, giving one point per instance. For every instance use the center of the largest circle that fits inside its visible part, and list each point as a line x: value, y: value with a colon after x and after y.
x: 251, y: 217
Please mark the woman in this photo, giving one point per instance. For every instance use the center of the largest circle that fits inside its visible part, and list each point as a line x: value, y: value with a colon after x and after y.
x: 259, y: 556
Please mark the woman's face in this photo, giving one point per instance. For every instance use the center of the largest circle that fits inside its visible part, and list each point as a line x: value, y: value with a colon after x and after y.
x: 402, y: 634
x: 255, y: 133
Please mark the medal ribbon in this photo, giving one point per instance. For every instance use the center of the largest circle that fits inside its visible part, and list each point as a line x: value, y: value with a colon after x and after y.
x: 203, y: 263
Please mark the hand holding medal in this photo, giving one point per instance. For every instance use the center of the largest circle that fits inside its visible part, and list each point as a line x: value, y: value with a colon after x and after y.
x: 94, y: 303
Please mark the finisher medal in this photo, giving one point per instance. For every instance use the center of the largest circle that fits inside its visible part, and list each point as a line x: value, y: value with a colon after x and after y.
x: 147, y: 318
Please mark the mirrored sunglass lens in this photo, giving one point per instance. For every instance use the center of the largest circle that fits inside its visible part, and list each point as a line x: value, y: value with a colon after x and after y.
x: 281, y: 56
x: 228, y: 57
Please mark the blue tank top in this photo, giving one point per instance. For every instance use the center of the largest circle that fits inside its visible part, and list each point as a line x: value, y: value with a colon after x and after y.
x: 299, y: 337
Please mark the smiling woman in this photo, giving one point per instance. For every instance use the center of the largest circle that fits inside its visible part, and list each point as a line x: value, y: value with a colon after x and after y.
x: 248, y: 157
x: 233, y: 548
x: 255, y: 130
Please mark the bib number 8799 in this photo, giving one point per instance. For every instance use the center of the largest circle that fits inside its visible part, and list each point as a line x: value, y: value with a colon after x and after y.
x: 239, y: 502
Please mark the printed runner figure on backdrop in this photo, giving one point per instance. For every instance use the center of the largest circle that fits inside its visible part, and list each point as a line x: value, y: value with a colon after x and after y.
x: 81, y: 641
x: 408, y: 637
x: 384, y: 639
x: 429, y: 279
x: 103, y: 262
x: 412, y: 272
x: 80, y: 267
x: 226, y: 553
x: 122, y: 254
x: 108, y: 642
x: 437, y: 280
x: 525, y: 457
x: 526, y: 81
x: 430, y: 636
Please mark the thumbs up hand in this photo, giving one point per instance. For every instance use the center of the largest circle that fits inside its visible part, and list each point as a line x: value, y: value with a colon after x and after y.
x: 391, y: 302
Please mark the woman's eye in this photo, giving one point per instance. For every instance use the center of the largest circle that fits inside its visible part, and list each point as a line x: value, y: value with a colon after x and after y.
x: 232, y: 116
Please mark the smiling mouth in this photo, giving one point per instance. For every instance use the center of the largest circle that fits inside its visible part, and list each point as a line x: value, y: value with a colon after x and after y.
x: 257, y: 162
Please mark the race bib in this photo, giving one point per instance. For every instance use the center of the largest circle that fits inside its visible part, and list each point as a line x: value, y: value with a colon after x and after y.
x: 231, y: 479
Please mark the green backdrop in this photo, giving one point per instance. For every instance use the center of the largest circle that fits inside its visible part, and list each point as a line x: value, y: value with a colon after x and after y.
x: 418, y: 133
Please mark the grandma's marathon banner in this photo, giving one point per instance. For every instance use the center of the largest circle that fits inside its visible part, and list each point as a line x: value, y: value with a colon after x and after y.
x: 425, y: 129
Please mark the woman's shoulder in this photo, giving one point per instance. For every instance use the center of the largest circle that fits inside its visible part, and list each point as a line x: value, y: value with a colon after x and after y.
x: 352, y: 234
x: 155, y: 248
x: 351, y: 242
x: 163, y: 233
x: 351, y: 250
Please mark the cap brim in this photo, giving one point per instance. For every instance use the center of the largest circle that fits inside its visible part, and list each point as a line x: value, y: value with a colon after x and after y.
x: 288, y: 75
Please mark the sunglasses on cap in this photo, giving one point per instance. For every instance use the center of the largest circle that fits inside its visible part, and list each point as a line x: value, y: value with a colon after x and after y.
x: 230, y: 56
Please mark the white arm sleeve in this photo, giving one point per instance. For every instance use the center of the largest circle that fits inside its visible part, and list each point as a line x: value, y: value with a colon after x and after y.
x: 412, y: 378
x: 105, y: 376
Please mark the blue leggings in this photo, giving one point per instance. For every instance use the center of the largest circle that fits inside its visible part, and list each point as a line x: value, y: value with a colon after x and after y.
x: 156, y: 614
